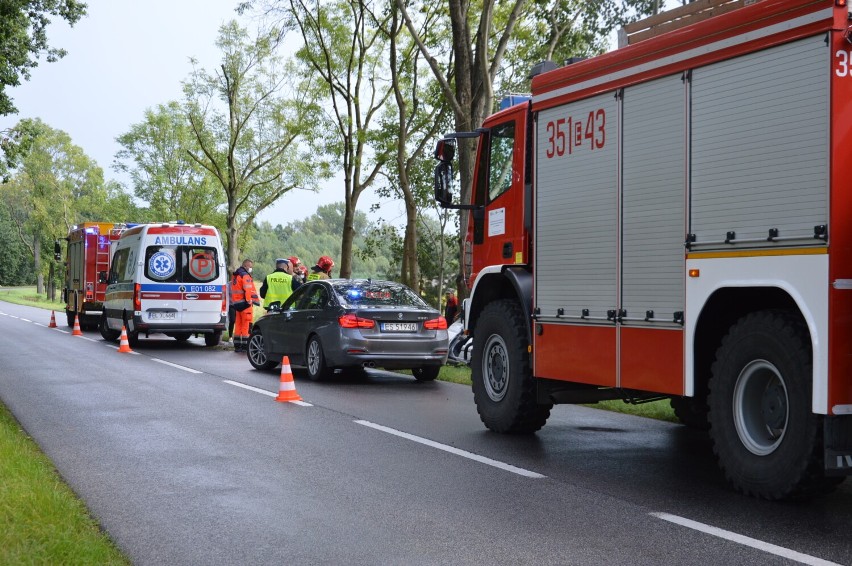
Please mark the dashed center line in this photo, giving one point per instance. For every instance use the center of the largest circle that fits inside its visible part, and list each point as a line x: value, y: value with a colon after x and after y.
x: 454, y: 450
x: 184, y: 368
x: 263, y: 392
x: 744, y: 540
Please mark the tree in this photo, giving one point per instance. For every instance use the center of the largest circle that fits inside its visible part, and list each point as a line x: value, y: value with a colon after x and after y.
x: 156, y: 155
x: 55, y: 186
x: 347, y: 53
x: 23, y: 37
x: 245, y: 130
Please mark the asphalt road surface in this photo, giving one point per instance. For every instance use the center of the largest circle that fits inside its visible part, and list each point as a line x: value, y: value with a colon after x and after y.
x: 184, y: 456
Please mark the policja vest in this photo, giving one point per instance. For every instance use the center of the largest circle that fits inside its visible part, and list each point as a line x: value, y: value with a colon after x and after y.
x: 279, y: 287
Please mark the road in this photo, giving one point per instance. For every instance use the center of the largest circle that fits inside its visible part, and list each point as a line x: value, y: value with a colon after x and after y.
x: 184, y: 457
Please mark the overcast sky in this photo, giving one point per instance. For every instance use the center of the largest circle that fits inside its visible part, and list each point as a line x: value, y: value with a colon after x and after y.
x: 130, y: 55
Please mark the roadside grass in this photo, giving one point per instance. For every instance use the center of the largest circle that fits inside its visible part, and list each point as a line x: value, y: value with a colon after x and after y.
x: 28, y: 296
x: 41, y: 519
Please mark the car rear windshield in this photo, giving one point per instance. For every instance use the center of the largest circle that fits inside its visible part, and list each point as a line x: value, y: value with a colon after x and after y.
x: 362, y: 294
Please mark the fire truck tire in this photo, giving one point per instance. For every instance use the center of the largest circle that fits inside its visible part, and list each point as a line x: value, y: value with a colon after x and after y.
x: 107, y: 333
x: 213, y: 338
x: 765, y: 436
x: 503, y: 385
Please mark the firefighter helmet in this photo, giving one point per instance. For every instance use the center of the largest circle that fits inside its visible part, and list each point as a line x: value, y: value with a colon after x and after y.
x: 325, y: 263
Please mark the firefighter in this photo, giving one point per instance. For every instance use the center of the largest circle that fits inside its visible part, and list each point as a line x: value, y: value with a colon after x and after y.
x: 452, y: 307
x: 322, y: 270
x: 243, y: 296
x: 279, y: 284
x: 298, y: 269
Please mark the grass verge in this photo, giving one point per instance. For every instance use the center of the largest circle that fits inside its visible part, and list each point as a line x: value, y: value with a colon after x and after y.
x: 28, y: 296
x: 41, y: 519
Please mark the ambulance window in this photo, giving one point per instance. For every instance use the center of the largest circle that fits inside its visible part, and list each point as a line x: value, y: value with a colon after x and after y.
x: 500, y: 172
x: 161, y: 263
x: 201, y: 264
x: 118, y: 272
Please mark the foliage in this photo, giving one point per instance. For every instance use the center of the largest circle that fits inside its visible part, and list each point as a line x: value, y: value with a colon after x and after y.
x: 156, y: 155
x: 246, y: 131
x: 16, y: 267
x: 23, y: 38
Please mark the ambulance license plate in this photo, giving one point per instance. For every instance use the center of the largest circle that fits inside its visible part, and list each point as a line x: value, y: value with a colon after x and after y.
x: 161, y: 315
x: 399, y: 326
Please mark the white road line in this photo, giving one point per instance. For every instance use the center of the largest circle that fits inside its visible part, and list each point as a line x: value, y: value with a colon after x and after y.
x: 263, y: 392
x: 453, y: 450
x: 26, y: 320
x: 60, y: 330
x: 13, y: 316
x: 744, y: 540
x: 184, y: 368
x: 40, y: 324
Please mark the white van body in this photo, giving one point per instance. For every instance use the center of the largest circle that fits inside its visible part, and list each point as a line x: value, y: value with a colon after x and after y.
x: 167, y: 278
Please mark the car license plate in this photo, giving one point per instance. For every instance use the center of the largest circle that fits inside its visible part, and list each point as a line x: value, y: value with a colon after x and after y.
x: 161, y: 315
x: 399, y: 326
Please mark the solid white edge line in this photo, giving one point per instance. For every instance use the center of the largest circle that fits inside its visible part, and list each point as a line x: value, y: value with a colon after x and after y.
x: 263, y: 392
x: 184, y: 368
x: 453, y: 450
x: 744, y: 540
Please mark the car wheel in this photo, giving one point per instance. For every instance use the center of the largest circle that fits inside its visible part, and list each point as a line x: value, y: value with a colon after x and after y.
x: 315, y: 361
x: 765, y: 436
x: 213, y: 338
x: 256, y: 354
x: 501, y: 376
x: 108, y: 333
x: 426, y: 373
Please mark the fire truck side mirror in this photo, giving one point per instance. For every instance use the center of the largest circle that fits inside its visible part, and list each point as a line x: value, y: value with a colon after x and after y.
x: 57, y: 251
x: 443, y: 180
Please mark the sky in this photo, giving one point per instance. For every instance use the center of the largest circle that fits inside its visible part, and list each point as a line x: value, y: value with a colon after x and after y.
x: 127, y: 56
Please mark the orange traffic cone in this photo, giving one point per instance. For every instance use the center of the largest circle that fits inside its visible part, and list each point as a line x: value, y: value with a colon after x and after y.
x: 52, y: 320
x: 287, y: 389
x: 124, y: 344
x: 76, y: 331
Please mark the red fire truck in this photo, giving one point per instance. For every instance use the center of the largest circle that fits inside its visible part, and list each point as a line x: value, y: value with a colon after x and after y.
x: 87, y: 262
x: 669, y: 220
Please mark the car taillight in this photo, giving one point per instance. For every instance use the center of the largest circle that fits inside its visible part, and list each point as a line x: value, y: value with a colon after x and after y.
x: 439, y: 323
x: 137, y: 297
x: 352, y: 321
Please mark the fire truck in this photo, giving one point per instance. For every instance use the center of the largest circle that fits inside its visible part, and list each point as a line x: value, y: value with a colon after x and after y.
x: 673, y: 219
x: 87, y: 262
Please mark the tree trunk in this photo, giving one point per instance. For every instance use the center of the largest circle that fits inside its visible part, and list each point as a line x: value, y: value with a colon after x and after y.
x: 37, y: 264
x: 348, y: 237
x: 51, y: 282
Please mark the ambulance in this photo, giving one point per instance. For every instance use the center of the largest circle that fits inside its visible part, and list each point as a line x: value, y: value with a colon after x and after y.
x: 167, y: 278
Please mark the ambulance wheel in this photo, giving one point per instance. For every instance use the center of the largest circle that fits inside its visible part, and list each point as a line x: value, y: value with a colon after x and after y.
x: 213, y: 338
x: 108, y: 333
x: 315, y: 361
x: 256, y: 354
x: 765, y: 436
x: 133, y: 338
x: 502, y: 381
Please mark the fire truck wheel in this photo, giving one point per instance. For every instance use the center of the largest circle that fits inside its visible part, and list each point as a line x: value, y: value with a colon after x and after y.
x: 107, y: 333
x: 767, y: 439
x: 503, y: 385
